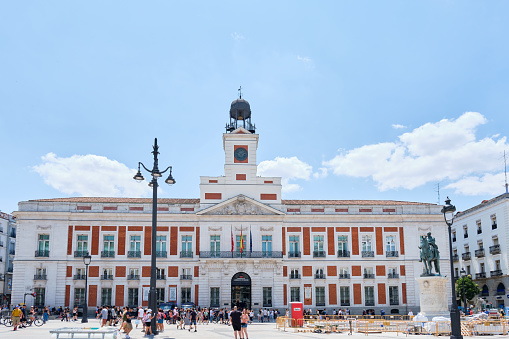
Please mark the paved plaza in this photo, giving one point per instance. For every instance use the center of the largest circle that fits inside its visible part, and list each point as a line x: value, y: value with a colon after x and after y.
x: 256, y: 330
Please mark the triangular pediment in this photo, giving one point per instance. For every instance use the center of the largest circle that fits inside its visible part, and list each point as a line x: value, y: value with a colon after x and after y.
x: 240, y: 205
x: 241, y: 130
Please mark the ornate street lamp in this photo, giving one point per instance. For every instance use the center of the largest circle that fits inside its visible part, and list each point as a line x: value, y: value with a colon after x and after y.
x: 448, y: 211
x: 152, y: 302
x: 86, y: 260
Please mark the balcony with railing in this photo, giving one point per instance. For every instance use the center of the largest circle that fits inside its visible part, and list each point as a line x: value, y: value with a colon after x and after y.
x: 496, y: 273
x: 41, y: 254
x: 466, y: 256
x: 161, y: 254
x: 319, y: 276
x: 343, y: 254
x: 391, y: 254
x: 455, y: 257
x: 494, y: 226
x: 80, y: 254
x: 237, y: 254
x: 454, y: 238
x: 393, y: 275
x: 318, y: 254
x: 368, y: 254
x: 106, y: 276
x: 40, y: 277
x: 465, y: 235
x: 80, y: 276
x: 187, y: 254
x: 133, y: 277
x: 369, y: 276
x: 479, y: 231
x: 107, y: 254
x: 12, y: 251
x: 294, y: 276
x: 12, y: 234
x: 481, y: 275
x: 293, y: 254
x: 495, y: 249
x: 160, y: 277
x: 186, y: 277
x: 344, y: 275
x: 479, y: 253
x: 134, y: 254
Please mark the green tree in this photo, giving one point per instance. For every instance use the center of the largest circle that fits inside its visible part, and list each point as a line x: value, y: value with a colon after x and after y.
x: 471, y: 288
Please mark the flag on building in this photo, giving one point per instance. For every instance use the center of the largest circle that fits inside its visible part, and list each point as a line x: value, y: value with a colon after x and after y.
x: 231, y: 230
x: 241, y: 241
x: 250, y: 240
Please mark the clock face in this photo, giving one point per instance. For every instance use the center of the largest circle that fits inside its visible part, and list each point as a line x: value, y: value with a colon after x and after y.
x: 240, y: 154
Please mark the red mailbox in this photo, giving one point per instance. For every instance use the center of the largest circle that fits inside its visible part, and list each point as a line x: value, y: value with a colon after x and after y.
x: 297, y: 313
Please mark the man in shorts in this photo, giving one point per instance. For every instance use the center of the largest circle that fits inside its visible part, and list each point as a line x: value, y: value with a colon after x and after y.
x: 141, y: 313
x: 16, y: 317
x: 235, y: 316
x: 128, y: 327
x: 104, y: 316
x: 193, y: 320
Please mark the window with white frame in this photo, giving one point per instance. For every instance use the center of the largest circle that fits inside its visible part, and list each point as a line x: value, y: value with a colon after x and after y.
x: 294, y: 246
x: 369, y: 295
x: 109, y: 244
x: 390, y: 243
x: 266, y: 244
x: 82, y: 245
x: 161, y: 246
x: 393, y: 295
x: 187, y: 245
x: 344, y: 295
x: 367, y: 243
x: 343, y: 246
x: 215, y: 245
x: 294, y: 293
x: 320, y: 296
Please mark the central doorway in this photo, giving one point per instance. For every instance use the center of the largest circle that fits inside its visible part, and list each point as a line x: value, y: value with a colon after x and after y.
x: 241, y: 291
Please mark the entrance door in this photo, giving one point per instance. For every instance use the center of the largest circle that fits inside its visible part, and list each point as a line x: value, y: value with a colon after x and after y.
x: 241, y: 291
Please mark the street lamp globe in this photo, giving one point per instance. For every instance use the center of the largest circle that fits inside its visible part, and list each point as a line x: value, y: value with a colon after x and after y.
x: 448, y: 212
x: 87, y: 259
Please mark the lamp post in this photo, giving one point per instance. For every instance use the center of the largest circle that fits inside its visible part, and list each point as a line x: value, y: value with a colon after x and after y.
x: 86, y: 260
x: 448, y: 211
x: 463, y: 276
x: 152, y: 303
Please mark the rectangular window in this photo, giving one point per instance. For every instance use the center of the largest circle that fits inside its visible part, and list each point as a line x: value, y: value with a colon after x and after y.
x: 344, y: 295
x: 493, y: 218
x: 390, y: 243
x: 40, y: 296
x: 465, y: 231
x: 343, y: 246
x: 369, y: 295
x: 393, y: 295
x: 159, y: 295
x: 294, y: 293
x: 294, y: 274
x: 320, y: 296
x: 481, y: 266
x: 266, y: 244
x: 135, y: 244
x: 186, y: 274
x: 132, y: 297
x: 214, y: 297
x: 160, y: 274
x: 186, y: 294
x: 319, y: 273
x: 343, y: 273
x: 237, y: 242
x: 82, y: 246
x: 109, y: 244
x: 215, y: 246
x: 318, y: 243
x: 79, y: 296
x: 187, y: 245
x: 267, y: 297
x: 366, y: 243
x: 294, y: 246
x: 105, y: 296
x: 107, y: 275
x: 80, y: 273
x: 40, y: 273
x: 43, y: 245
x: 479, y: 226
x: 161, y: 246
x: 134, y: 274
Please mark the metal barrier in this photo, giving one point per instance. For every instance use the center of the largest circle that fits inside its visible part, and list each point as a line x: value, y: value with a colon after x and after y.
x: 330, y: 324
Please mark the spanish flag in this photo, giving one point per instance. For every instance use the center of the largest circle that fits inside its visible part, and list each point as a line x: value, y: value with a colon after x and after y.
x: 241, y: 241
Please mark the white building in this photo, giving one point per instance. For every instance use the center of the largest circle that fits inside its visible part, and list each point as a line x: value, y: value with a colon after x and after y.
x: 7, y: 248
x: 480, y: 238
x: 356, y: 254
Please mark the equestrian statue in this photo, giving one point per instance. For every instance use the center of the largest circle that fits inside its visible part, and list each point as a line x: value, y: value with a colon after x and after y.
x: 430, y: 255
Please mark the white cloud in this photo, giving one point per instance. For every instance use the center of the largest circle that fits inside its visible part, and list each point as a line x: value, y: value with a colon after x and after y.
x: 398, y: 126
x: 288, y: 169
x: 322, y: 173
x: 445, y: 150
x: 90, y: 175
x: 487, y: 184
x: 303, y: 59
x: 237, y: 36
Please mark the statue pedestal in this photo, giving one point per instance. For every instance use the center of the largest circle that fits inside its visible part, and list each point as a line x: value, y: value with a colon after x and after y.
x: 433, y: 296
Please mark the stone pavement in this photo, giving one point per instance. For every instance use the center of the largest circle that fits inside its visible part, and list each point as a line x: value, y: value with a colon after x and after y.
x: 212, y: 331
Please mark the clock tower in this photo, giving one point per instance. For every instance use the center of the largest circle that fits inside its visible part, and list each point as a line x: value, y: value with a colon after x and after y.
x: 240, y: 143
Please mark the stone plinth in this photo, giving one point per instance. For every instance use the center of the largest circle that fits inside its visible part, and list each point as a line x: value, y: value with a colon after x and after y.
x: 433, y: 296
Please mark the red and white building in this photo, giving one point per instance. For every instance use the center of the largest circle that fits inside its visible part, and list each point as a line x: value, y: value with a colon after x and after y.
x: 329, y: 254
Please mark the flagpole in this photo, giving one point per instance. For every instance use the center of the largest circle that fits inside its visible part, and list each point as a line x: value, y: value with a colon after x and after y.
x: 231, y: 232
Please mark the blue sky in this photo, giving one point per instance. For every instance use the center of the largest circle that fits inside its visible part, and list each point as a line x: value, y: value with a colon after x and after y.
x: 352, y: 99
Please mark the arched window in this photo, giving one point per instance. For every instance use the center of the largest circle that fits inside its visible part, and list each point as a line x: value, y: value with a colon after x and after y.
x: 485, y: 291
x: 500, y: 289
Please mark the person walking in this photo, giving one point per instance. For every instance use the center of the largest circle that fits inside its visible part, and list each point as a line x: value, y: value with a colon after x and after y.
x: 16, y: 317
x: 244, y: 319
x: 147, y: 318
x: 192, y: 315
x: 235, y: 316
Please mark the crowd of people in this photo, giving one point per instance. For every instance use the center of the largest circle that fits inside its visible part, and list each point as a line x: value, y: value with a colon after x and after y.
x: 21, y: 314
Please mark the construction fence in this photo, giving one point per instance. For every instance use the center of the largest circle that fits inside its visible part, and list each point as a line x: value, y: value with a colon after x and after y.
x: 369, y: 325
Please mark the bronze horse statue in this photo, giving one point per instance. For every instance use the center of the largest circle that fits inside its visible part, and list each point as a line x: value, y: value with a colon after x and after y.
x: 429, y: 255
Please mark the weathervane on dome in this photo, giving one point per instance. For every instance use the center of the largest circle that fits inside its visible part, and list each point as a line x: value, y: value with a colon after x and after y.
x: 240, y: 92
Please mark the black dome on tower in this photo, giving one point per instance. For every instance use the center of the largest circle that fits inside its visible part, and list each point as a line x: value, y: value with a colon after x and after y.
x: 240, y: 116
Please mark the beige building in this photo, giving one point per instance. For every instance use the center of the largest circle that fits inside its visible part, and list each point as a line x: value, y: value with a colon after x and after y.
x: 329, y: 254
